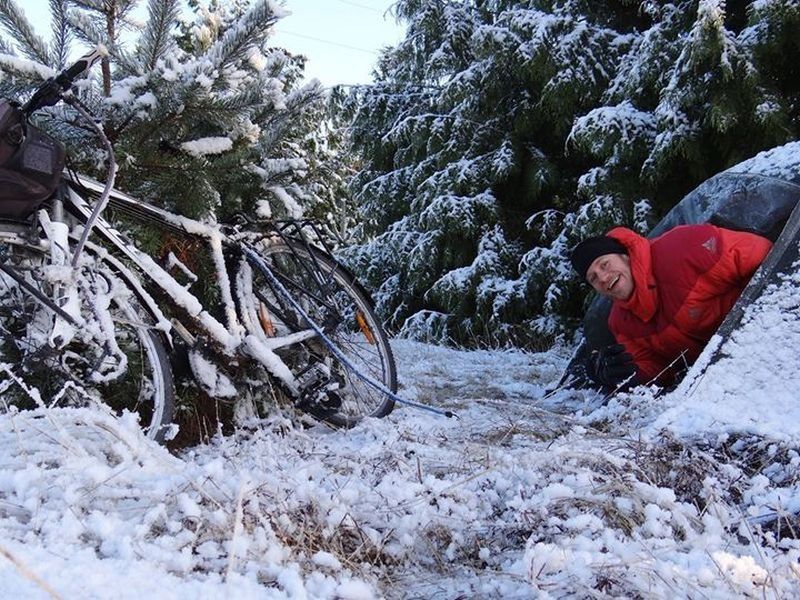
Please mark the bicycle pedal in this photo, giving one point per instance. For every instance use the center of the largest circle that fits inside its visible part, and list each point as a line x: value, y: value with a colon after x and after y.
x: 313, y: 376
x: 322, y: 405
x: 317, y: 396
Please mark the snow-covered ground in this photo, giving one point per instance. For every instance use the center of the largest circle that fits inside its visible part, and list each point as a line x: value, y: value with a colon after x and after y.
x: 525, y: 494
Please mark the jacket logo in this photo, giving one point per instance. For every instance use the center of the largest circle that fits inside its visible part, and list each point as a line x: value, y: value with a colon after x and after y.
x: 711, y: 245
x: 695, y: 313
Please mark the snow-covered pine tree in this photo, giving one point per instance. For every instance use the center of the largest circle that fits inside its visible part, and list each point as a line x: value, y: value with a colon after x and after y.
x: 707, y: 115
x: 331, y: 165
x: 502, y: 132
x: 463, y: 139
x: 205, y: 116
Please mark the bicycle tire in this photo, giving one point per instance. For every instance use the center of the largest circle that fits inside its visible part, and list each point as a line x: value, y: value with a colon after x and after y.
x: 132, y: 372
x: 332, y: 297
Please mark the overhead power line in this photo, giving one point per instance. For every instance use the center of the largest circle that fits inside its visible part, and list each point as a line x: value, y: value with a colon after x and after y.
x: 329, y: 42
x: 362, y: 6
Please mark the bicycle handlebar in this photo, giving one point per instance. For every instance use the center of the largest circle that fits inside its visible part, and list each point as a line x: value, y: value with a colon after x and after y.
x: 49, y: 93
x: 83, y: 64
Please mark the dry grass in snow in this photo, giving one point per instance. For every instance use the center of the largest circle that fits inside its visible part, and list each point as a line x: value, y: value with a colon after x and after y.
x: 523, y: 495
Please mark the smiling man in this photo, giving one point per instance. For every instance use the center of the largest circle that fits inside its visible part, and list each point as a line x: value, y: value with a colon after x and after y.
x: 669, y: 295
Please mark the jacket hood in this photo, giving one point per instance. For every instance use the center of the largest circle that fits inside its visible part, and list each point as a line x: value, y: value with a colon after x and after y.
x: 644, y: 300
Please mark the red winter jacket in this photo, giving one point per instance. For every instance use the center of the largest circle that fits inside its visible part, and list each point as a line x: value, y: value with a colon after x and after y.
x: 686, y: 281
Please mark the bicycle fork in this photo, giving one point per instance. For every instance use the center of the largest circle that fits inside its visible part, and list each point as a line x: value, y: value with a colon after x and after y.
x: 64, y: 298
x: 65, y: 293
x: 62, y: 303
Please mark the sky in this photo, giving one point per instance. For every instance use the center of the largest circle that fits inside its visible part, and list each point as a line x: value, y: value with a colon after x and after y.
x: 340, y: 38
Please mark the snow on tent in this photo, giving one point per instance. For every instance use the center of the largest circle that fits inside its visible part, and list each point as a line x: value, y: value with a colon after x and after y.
x: 759, y: 195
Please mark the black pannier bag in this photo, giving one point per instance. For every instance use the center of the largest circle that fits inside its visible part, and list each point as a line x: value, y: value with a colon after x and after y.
x: 30, y: 164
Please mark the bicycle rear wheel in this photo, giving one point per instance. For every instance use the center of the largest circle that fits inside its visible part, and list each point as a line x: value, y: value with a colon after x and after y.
x: 335, y: 301
x: 117, y: 358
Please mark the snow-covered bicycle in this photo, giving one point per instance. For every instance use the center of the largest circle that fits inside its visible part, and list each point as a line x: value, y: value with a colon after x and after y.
x: 85, y: 315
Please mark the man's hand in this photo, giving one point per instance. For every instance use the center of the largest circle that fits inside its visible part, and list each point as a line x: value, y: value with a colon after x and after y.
x: 612, y: 366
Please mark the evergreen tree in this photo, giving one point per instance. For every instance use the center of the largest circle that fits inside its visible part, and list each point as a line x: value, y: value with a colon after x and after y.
x: 206, y: 118
x: 501, y: 132
x: 331, y: 165
x: 464, y: 137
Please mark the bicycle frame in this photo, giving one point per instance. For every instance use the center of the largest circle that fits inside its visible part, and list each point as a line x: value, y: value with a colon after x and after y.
x: 231, y: 337
x: 243, y: 330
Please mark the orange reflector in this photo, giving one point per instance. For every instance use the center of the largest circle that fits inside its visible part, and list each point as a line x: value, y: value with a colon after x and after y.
x: 364, y: 327
x: 266, y: 321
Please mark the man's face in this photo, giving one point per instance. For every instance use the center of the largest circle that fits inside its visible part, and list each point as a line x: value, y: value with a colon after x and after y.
x: 610, y: 276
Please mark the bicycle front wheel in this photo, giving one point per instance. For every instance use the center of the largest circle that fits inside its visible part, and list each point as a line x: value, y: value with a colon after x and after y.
x: 333, y: 299
x: 116, y: 357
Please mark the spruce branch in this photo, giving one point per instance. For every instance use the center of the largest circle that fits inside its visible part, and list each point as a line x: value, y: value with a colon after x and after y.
x: 298, y: 103
x: 62, y: 35
x: 264, y: 93
x: 89, y: 32
x: 118, y: 9
x: 123, y: 8
x: 156, y: 40
x: 304, y: 96
x: 252, y: 29
x: 18, y: 26
x: 248, y: 98
x: 6, y: 47
x: 229, y: 90
x: 96, y: 5
x: 210, y: 111
x: 224, y: 111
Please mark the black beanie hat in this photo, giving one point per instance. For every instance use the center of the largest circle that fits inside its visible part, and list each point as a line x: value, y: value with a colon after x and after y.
x: 583, y: 254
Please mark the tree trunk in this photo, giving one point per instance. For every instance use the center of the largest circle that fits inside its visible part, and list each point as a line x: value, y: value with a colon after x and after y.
x: 110, y: 30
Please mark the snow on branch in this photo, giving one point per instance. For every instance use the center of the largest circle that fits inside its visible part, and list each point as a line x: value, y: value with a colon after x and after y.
x: 15, y: 22
x: 206, y: 146
x: 28, y: 67
x: 293, y: 209
x: 237, y: 41
x: 609, y: 130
